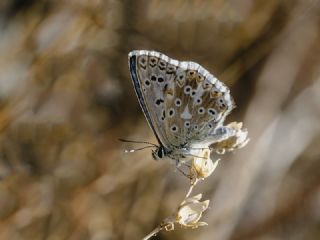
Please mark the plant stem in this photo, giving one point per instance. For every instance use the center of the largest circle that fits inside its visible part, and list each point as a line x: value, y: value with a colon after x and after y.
x: 191, y: 188
x: 167, y: 224
x: 153, y: 233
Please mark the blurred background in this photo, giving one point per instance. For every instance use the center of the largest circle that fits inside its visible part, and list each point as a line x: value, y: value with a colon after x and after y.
x: 66, y: 97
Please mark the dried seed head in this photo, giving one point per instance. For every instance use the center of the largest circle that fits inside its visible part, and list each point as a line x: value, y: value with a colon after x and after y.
x: 202, y: 166
x: 190, y: 212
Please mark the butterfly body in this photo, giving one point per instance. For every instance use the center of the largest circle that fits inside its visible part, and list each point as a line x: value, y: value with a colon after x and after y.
x: 177, y: 154
x: 183, y: 103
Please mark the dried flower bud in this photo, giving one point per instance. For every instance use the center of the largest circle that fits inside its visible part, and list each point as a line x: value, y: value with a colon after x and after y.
x: 202, y: 166
x: 190, y: 212
x: 238, y: 140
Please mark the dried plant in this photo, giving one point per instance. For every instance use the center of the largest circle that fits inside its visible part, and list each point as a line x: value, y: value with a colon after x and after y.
x: 190, y: 210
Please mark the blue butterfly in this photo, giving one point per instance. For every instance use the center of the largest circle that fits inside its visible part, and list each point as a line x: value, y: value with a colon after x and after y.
x: 183, y: 103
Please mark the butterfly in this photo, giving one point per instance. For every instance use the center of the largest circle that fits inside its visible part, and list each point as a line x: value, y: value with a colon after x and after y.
x: 183, y: 103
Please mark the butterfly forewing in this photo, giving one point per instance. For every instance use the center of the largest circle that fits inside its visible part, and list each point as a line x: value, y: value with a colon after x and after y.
x: 151, y: 78
x: 182, y: 101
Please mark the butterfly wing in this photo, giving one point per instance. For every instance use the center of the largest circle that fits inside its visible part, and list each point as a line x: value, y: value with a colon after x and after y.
x: 182, y: 101
x: 200, y: 103
x: 151, y: 73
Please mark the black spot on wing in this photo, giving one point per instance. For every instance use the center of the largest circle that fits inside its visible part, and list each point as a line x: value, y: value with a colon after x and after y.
x: 159, y: 101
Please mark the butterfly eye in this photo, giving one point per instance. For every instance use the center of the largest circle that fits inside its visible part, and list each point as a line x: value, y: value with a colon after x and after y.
x: 160, y: 153
x: 186, y: 124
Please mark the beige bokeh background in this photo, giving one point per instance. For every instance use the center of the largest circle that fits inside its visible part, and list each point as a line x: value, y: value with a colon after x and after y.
x: 66, y: 97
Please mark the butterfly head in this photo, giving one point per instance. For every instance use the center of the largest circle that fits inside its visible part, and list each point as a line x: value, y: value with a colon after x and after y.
x: 159, y: 153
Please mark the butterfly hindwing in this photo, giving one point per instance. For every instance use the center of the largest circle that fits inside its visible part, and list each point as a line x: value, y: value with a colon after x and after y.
x: 198, y: 106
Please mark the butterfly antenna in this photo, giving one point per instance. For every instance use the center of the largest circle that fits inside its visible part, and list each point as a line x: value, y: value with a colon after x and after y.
x: 130, y: 141
x: 137, y: 149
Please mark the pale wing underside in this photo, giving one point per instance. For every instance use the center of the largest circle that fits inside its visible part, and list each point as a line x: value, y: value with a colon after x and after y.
x: 182, y: 101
